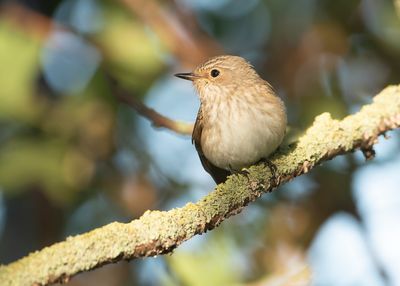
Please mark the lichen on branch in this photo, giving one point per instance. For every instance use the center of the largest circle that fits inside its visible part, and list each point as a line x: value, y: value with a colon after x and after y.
x: 159, y: 232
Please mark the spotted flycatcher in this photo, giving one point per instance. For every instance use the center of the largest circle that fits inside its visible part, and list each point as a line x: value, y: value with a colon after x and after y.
x: 240, y: 121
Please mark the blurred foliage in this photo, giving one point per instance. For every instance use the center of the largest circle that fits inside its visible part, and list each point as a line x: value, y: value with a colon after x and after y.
x: 217, y: 260
x: 138, y: 61
x: 73, y: 158
x: 19, y: 57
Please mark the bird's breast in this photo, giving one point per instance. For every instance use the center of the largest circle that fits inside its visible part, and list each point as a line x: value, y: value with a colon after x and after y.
x: 237, y: 135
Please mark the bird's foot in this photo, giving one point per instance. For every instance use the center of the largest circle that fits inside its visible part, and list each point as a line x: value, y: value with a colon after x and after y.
x: 272, y: 167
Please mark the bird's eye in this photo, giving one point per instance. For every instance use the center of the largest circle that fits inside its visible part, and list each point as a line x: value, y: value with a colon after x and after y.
x: 214, y: 73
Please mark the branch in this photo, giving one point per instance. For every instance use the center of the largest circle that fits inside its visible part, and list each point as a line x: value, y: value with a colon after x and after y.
x: 159, y: 232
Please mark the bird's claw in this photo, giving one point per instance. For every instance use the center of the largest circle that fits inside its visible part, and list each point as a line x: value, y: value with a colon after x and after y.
x: 272, y: 167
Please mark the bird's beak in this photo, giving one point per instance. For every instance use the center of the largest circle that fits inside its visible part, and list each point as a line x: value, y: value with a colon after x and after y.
x: 188, y: 75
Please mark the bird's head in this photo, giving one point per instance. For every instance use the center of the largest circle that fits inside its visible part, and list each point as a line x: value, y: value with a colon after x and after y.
x: 223, y: 76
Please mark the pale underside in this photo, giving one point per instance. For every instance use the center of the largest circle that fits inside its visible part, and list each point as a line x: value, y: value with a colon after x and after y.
x: 240, y: 133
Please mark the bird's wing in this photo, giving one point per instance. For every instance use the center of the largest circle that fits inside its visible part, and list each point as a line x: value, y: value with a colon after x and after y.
x: 219, y: 175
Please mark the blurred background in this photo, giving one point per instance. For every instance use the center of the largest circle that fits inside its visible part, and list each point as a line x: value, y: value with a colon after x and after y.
x: 73, y: 157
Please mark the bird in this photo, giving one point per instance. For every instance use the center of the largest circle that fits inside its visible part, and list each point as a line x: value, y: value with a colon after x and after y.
x: 240, y: 121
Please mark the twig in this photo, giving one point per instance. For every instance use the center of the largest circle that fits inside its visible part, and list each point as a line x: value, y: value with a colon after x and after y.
x: 157, y: 119
x: 159, y: 232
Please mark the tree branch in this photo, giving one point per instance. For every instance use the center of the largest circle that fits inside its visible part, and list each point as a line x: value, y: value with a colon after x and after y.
x: 159, y: 232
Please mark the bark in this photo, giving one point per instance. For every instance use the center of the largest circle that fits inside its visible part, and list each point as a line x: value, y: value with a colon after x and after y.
x: 159, y: 232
